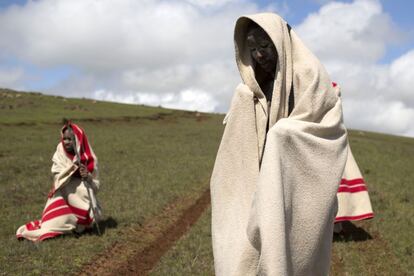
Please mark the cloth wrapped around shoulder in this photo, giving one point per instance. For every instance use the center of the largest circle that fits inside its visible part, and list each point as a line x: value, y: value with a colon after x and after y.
x: 274, y: 192
x: 68, y: 205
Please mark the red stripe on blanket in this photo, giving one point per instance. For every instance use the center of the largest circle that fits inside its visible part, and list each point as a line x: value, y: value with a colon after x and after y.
x: 82, y: 144
x: 57, y: 213
x: 86, y: 221
x: 81, y: 215
x: 359, y: 217
x: 90, y: 161
x: 33, y: 225
x: 78, y: 211
x: 351, y: 182
x: 58, y: 203
x: 352, y: 189
x: 49, y: 235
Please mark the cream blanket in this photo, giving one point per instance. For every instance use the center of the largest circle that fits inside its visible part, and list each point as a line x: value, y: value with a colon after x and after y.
x: 68, y: 206
x: 353, y: 198
x: 274, y: 194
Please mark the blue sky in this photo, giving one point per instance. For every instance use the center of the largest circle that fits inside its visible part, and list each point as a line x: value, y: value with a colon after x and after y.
x: 7, y: 3
x: 401, y: 12
x: 116, y: 51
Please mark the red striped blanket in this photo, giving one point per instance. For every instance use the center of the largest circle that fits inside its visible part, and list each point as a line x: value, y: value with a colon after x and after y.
x: 68, y: 205
x: 353, y: 198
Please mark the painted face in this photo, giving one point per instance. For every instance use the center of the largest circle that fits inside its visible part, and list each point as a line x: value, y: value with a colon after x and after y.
x: 262, y: 49
x: 68, y: 141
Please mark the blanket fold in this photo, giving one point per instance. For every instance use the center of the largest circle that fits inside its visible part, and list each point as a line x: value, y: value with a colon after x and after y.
x: 68, y: 205
x: 353, y: 199
x: 274, y: 193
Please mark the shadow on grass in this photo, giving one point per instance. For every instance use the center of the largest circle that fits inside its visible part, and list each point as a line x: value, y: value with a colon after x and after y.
x: 351, y: 232
x: 105, y: 224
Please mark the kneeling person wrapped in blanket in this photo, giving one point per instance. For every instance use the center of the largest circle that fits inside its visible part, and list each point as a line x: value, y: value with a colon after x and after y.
x: 75, y: 174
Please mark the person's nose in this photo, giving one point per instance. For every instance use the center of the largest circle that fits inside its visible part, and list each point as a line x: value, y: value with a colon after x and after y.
x: 258, y: 55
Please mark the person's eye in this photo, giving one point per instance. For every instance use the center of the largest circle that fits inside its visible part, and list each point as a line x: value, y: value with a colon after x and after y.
x: 264, y: 45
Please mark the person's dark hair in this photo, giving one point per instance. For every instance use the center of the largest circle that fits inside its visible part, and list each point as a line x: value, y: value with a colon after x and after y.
x: 252, y: 26
x: 65, y: 123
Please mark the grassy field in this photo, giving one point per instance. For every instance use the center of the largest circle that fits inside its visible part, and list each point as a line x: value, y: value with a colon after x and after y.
x: 192, y: 255
x: 381, y: 246
x: 152, y: 157
x: 145, y: 163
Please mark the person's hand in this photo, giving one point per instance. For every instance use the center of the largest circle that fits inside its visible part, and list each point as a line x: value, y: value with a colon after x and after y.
x: 51, y: 192
x: 83, y: 171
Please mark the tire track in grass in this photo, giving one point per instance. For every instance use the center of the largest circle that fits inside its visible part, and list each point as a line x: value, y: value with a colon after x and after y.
x: 144, y: 246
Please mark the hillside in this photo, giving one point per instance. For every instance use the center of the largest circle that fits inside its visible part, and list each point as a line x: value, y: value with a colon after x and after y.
x: 155, y: 166
x: 35, y: 108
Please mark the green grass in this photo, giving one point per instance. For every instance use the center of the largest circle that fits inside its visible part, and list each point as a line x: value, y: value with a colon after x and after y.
x: 150, y: 157
x: 387, y: 164
x: 144, y: 165
x: 34, y: 108
x: 192, y: 255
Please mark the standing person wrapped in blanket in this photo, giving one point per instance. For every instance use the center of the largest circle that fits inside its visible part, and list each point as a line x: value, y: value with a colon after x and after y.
x: 281, y: 158
x: 68, y: 207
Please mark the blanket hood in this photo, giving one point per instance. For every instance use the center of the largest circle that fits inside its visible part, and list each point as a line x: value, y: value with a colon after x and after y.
x: 276, y: 174
x: 296, y: 66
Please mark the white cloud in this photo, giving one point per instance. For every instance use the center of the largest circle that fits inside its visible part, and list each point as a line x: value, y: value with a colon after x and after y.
x: 141, y: 47
x: 402, y: 76
x: 196, y: 100
x: 357, y: 31
x: 101, y: 35
x: 180, y: 53
x: 217, y: 77
x: 191, y: 100
x: 380, y: 115
x: 11, y: 77
x: 350, y: 39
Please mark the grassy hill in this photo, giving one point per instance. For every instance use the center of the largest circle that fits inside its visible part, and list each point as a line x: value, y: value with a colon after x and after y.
x: 19, y: 108
x: 156, y: 162
x: 148, y: 157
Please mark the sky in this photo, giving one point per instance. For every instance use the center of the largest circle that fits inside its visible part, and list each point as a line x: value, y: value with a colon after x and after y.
x: 180, y: 54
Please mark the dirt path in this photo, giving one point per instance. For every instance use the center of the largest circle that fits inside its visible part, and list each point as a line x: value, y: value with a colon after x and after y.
x: 145, y: 245
x: 160, y: 116
x: 141, y: 247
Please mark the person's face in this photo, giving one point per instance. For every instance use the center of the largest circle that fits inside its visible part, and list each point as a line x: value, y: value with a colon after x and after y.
x: 68, y: 143
x: 262, y: 49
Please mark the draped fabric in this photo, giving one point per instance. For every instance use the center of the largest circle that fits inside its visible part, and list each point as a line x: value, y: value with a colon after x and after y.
x: 353, y: 199
x: 68, y: 205
x: 274, y: 192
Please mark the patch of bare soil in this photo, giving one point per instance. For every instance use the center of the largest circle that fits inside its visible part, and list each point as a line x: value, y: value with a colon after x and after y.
x: 144, y: 245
